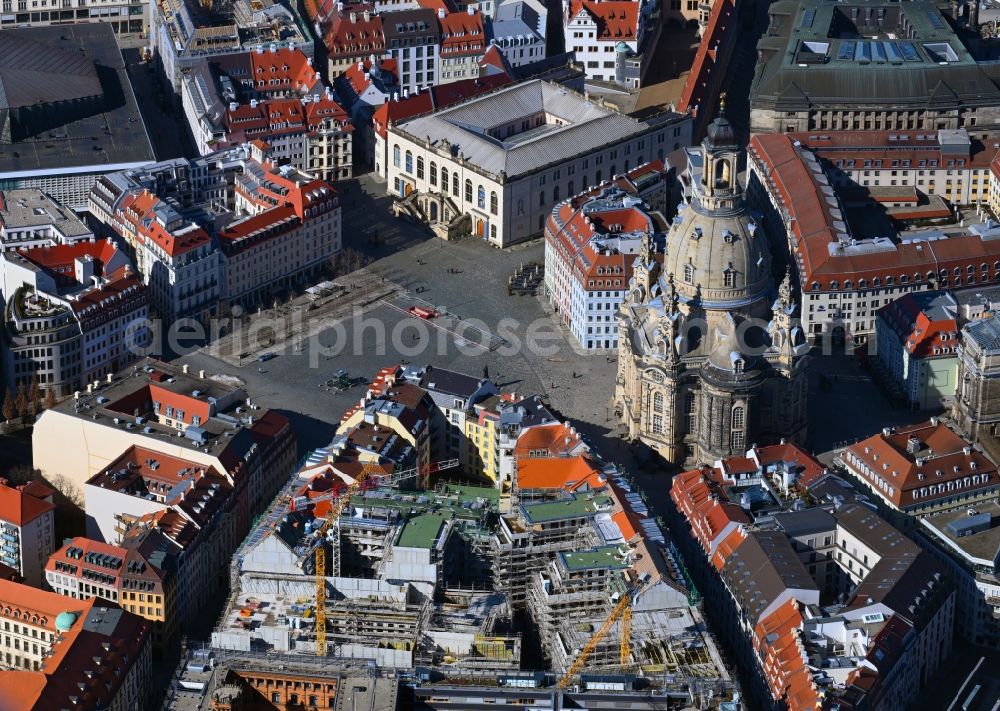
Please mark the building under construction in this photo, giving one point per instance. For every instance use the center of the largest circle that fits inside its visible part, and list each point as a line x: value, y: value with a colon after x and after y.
x: 350, y: 564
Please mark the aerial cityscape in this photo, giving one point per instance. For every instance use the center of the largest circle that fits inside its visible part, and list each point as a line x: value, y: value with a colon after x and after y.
x: 538, y: 354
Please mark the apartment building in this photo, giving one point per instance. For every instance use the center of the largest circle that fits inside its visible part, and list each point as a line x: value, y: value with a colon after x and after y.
x: 763, y: 572
x: 413, y: 39
x: 29, y: 218
x: 256, y: 207
x: 27, y: 529
x: 518, y: 29
x: 846, y: 278
x: 463, y: 42
x: 352, y: 36
x: 56, y: 652
x: 591, y: 242
x: 141, y: 579
x: 918, y: 340
x: 75, y: 313
x: 917, y: 470
x: 184, y: 33
x: 167, y: 410
x: 605, y: 35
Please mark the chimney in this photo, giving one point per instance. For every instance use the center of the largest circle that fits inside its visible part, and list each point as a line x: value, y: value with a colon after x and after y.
x: 253, y: 103
x: 110, y: 376
x: 201, y: 374
x: 471, y: 10
x: 354, y: 17
x: 440, y: 13
x: 185, y: 368
x: 367, y: 15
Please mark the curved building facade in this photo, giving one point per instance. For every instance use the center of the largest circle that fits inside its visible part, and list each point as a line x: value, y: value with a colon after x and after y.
x: 710, y: 360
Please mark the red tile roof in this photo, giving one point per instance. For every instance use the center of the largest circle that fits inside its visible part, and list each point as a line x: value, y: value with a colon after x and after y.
x: 284, y: 70
x: 942, y: 464
x: 347, y: 37
x: 550, y: 440
x: 85, y: 665
x: 817, y: 221
x: 776, y: 638
x: 462, y: 33
x: 711, y: 516
x: 138, y: 210
x: 617, y: 20
x: 920, y: 335
x: 61, y: 257
x: 359, y: 76
x: 18, y: 507
x: 566, y: 473
x: 701, y: 81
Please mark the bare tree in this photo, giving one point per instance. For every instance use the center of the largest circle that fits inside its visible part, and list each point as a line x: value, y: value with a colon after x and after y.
x: 9, y: 406
x: 34, y: 396
x: 50, y: 398
x: 22, y: 400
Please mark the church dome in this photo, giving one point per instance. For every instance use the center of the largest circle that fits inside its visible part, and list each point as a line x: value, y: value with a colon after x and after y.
x: 721, y: 134
x: 719, y: 257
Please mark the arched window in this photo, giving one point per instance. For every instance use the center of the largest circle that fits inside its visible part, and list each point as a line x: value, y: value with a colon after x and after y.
x: 395, y: 156
x: 658, y: 402
x: 722, y: 173
x: 541, y: 198
x: 738, y: 436
x: 569, y: 188
x: 481, y: 198
x: 555, y: 194
x: 434, y: 173
x: 409, y: 162
x: 454, y: 186
x: 444, y: 179
x: 729, y: 277
x: 420, y: 167
x: 689, y: 411
x: 468, y: 190
x: 689, y: 273
x: 493, y: 201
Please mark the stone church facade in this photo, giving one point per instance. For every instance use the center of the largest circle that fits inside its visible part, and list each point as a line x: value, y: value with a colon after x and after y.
x: 710, y: 362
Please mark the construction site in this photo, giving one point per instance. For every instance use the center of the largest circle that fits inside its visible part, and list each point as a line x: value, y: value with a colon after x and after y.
x: 373, y: 552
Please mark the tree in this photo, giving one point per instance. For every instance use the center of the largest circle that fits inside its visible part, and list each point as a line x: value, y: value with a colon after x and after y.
x: 22, y: 400
x: 9, y: 408
x: 50, y: 398
x: 34, y: 396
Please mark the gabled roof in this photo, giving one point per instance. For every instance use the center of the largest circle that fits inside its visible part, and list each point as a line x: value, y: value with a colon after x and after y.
x: 617, y: 20
x: 567, y: 473
x: 938, y: 464
x: 462, y: 33
x: 19, y: 507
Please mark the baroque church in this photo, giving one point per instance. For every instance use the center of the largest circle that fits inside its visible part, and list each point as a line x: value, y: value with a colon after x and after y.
x: 711, y: 360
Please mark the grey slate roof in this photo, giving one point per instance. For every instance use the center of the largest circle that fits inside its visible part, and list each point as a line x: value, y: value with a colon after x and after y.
x: 84, y: 135
x: 788, y: 77
x: 33, y: 73
x: 761, y: 569
x: 466, y: 127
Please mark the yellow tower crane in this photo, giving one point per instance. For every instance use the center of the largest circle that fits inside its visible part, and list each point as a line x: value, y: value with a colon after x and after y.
x: 624, y: 607
x: 367, y: 470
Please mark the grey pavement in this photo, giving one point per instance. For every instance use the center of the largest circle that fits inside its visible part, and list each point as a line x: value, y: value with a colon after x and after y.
x: 579, y: 385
